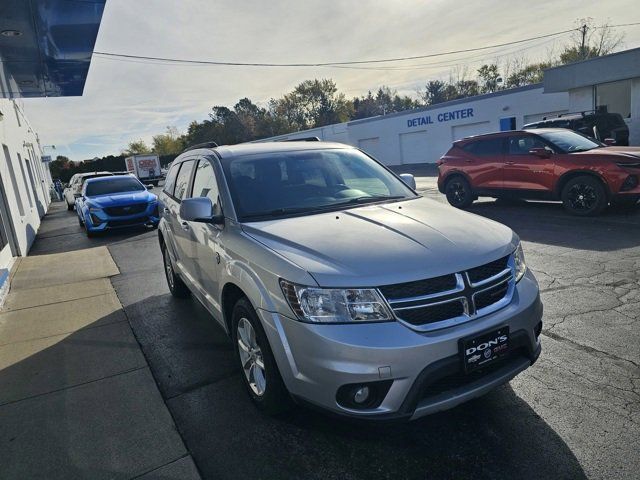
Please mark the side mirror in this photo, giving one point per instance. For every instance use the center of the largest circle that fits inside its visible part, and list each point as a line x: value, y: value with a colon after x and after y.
x: 609, y: 141
x: 409, y: 180
x: 150, y: 187
x: 540, y: 152
x: 199, y: 209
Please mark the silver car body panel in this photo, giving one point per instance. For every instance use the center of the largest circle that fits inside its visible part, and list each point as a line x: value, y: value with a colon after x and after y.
x: 367, y: 246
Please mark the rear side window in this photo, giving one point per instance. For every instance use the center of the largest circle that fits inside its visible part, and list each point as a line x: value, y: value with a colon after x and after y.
x: 170, y: 181
x: 204, y: 182
x: 485, y: 148
x: 182, y: 181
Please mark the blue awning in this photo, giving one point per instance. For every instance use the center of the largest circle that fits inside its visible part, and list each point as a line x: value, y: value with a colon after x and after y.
x: 46, y: 46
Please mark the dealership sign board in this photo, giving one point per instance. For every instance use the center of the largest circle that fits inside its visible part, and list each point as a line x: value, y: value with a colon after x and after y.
x: 440, y: 118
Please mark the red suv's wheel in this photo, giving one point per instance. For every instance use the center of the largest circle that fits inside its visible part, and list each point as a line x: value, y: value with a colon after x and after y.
x: 458, y: 192
x: 584, y: 196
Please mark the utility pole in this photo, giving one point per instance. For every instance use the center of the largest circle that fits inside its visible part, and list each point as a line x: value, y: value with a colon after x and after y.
x: 584, y: 37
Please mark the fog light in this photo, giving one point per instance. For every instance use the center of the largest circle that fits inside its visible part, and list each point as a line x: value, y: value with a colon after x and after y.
x: 361, y: 395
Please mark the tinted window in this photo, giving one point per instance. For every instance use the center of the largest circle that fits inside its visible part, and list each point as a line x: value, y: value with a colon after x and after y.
x: 204, y: 182
x: 170, y: 181
x: 114, y: 185
x: 485, y: 148
x: 521, y: 144
x: 182, y: 181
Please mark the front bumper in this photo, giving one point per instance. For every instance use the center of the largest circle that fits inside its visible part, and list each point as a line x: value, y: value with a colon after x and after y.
x: 99, y: 221
x: 425, y: 369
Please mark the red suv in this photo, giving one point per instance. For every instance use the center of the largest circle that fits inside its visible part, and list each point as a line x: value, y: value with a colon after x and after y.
x: 550, y: 164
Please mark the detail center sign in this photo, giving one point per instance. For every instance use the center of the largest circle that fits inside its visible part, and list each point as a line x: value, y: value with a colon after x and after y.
x: 441, y: 117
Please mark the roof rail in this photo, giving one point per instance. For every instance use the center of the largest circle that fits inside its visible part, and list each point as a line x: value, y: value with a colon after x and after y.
x: 201, y: 145
x: 303, y: 139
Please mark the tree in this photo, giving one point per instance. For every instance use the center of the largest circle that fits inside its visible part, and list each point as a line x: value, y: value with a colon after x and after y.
x: 314, y: 103
x: 488, y: 76
x: 435, y: 92
x: 590, y: 41
x: 168, y: 143
x: 136, y: 147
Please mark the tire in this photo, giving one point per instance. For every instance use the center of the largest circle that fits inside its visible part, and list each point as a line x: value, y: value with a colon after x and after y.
x: 176, y: 286
x: 69, y: 207
x: 458, y: 191
x: 80, y: 222
x: 259, y: 370
x: 584, y: 196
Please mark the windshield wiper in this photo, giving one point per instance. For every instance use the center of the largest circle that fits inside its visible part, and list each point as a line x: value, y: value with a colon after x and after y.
x: 371, y: 198
x: 320, y: 208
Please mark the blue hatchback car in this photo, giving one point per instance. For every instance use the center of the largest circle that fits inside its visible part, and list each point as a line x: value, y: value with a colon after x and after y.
x: 108, y: 203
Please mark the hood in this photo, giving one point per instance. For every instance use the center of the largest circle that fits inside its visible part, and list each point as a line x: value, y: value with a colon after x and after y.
x: 385, y: 244
x: 616, y: 154
x: 125, y: 198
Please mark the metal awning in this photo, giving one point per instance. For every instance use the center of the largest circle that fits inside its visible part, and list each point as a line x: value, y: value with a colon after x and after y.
x: 46, y: 46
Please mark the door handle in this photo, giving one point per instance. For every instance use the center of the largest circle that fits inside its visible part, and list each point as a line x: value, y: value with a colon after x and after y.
x: 185, y: 225
x: 468, y: 160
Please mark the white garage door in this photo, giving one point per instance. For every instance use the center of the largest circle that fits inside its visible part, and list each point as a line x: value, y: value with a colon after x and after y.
x: 370, y: 145
x: 414, y: 147
x: 478, y: 128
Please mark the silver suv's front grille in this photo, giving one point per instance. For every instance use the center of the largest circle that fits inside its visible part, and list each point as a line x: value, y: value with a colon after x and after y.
x: 450, y: 299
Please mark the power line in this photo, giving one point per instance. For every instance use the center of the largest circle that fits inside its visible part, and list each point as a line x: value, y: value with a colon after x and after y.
x: 326, y: 64
x: 338, y: 63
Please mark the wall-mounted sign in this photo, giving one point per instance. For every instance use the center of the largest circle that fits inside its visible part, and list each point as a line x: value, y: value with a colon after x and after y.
x: 441, y: 117
x: 46, y: 158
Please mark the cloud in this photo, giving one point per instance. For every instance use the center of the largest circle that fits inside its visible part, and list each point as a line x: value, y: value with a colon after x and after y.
x: 125, y: 100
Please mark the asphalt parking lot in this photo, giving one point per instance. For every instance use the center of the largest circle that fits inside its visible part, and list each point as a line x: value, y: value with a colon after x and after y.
x: 575, y: 414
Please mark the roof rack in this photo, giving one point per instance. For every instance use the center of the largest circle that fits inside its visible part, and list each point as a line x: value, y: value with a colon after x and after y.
x: 201, y: 145
x: 303, y: 139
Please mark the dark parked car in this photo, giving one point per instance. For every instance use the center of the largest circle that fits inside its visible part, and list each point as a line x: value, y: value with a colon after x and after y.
x: 598, y: 124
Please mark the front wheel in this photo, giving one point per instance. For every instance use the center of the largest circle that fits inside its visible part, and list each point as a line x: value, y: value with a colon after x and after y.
x: 458, y: 192
x: 176, y: 285
x: 584, y: 196
x: 260, y: 373
x: 69, y: 207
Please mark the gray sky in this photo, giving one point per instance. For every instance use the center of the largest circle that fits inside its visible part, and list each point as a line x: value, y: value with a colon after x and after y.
x: 126, y: 100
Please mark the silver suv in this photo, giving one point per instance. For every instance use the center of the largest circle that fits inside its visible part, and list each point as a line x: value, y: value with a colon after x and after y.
x: 340, y: 286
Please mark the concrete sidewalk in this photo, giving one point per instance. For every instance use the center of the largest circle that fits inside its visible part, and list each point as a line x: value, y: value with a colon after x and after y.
x: 77, y: 399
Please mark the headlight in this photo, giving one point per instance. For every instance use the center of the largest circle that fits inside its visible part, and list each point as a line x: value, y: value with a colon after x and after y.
x: 93, y: 208
x: 521, y: 266
x: 330, y: 305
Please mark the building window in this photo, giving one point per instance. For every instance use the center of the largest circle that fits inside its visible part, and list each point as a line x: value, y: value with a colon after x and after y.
x: 24, y: 179
x: 14, y: 182
x: 616, y: 96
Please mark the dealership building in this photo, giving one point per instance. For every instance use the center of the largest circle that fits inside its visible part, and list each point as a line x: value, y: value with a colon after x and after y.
x: 45, y: 51
x: 423, y: 135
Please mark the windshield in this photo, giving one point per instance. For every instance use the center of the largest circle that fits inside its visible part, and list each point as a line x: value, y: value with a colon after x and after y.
x: 114, y: 185
x: 568, y: 141
x: 290, y: 183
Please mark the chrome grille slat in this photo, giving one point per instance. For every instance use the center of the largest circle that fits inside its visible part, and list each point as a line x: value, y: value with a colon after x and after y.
x: 478, y: 297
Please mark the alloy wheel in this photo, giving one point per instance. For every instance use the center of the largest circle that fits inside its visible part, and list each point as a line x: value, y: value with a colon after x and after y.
x: 251, y: 357
x: 456, y: 192
x: 582, y: 197
x: 168, y: 270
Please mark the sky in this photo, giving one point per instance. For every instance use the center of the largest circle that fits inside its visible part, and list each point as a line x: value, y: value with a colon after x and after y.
x: 126, y: 100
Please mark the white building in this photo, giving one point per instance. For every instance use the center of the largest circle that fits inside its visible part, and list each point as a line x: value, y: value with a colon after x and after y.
x: 423, y: 135
x: 25, y: 183
x: 45, y: 51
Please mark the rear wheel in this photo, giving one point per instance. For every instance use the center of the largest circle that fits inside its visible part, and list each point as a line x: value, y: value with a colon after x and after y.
x: 260, y: 373
x: 176, y: 285
x: 69, y: 207
x: 584, y: 196
x: 458, y: 192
